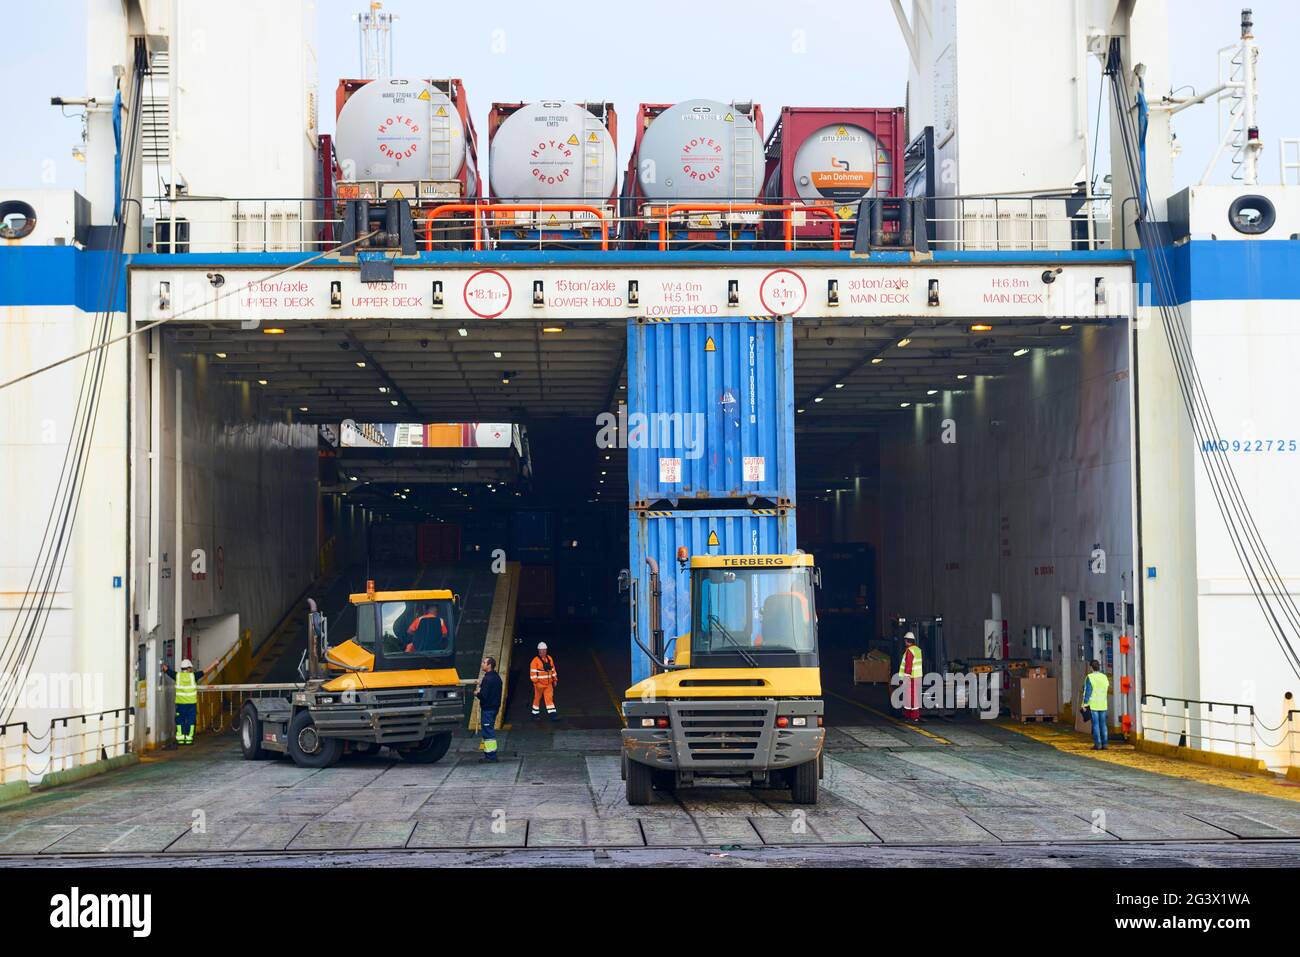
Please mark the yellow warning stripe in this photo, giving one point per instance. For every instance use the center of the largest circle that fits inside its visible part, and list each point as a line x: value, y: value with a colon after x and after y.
x: 889, y: 717
x: 1069, y: 741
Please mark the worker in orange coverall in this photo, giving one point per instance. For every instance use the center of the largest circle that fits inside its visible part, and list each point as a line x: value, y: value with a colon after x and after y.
x: 544, y: 678
x: 910, y: 670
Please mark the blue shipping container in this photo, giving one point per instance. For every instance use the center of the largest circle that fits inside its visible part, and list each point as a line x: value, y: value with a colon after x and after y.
x: 740, y: 531
x: 532, y: 537
x: 710, y: 410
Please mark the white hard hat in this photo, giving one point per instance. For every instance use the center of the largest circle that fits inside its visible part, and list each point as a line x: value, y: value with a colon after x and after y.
x: 541, y: 646
x: 186, y: 663
x: 909, y: 637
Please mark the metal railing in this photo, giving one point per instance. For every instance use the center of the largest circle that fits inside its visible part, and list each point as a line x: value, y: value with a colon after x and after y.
x: 1042, y: 222
x: 219, y: 705
x: 1222, y: 726
x: 68, y: 742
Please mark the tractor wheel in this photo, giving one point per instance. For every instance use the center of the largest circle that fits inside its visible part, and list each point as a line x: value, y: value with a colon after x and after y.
x: 803, y: 782
x: 306, y: 745
x: 429, y: 750
x: 250, y: 734
x: 640, y: 783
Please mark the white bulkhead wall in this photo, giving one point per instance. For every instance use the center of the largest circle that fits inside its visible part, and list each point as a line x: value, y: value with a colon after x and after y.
x: 80, y: 666
x: 244, y: 97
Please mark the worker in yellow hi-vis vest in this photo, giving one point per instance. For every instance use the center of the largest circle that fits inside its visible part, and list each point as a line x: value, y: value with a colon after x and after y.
x: 1096, y: 688
x: 910, y: 670
x: 187, y: 698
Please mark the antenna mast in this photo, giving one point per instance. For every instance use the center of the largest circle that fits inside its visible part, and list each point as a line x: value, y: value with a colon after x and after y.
x: 376, y: 35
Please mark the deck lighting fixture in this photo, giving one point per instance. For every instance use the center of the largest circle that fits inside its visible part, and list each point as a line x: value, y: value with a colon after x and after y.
x: 961, y: 375
x: 932, y: 392
x: 904, y: 342
x: 261, y: 382
x: 392, y: 402
x: 817, y: 398
x: 539, y: 293
x: 164, y: 296
x: 839, y: 385
x: 273, y: 331
x: 221, y: 355
x: 496, y: 355
x: 1099, y: 291
x: 1066, y: 327
x: 904, y: 405
x: 1020, y: 352
x: 435, y: 294
x: 800, y: 411
x: 933, y: 298
x: 832, y: 292
x: 733, y: 292
x: 361, y: 364
x: 876, y: 361
x: 462, y: 332
x: 384, y: 389
x: 302, y: 408
x: 553, y: 330
x: 336, y: 294
x: 981, y: 327
x: 633, y: 293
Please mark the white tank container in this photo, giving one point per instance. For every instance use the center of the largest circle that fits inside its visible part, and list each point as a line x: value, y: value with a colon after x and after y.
x: 400, y: 129
x: 841, y: 162
x: 701, y: 150
x: 551, y: 152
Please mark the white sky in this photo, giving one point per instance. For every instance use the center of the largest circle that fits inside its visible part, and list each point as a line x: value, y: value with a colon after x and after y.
x: 804, y: 53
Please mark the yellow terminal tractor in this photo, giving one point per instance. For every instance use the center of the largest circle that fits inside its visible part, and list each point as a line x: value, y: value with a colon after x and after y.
x: 394, y: 684
x: 741, y: 695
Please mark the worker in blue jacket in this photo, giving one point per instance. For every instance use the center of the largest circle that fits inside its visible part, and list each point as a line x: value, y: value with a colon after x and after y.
x: 488, y: 693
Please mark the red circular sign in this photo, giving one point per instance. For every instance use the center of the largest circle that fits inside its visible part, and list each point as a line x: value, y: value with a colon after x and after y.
x: 487, y: 293
x: 782, y: 292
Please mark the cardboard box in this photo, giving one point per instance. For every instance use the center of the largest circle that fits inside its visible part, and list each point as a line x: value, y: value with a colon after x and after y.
x: 871, y: 670
x: 1037, y: 671
x: 1034, y: 696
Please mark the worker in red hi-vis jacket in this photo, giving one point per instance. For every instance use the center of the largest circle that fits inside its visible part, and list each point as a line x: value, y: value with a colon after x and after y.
x: 910, y: 670
x: 544, y: 678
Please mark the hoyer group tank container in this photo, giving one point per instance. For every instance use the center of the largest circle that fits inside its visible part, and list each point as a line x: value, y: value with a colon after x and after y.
x: 556, y: 154
x: 405, y: 137
x: 833, y: 157
x: 700, y: 154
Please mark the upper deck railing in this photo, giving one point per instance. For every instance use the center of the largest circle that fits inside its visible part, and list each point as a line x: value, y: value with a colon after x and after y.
x: 1047, y: 222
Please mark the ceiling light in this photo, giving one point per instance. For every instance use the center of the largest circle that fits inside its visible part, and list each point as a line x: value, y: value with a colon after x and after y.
x: 817, y: 398
x: 496, y: 355
x: 1066, y: 327
x: 800, y: 411
x: 904, y: 405
x: 552, y: 329
x: 876, y: 361
x: 961, y: 375
x: 221, y: 355
x: 302, y: 408
x: 981, y: 327
x: 904, y: 342
x: 384, y: 389
x: 932, y: 392
x: 839, y: 385
x: 261, y: 382
x: 361, y: 364
x: 1020, y: 352
x: 392, y: 402
x: 273, y: 331
x: 462, y: 332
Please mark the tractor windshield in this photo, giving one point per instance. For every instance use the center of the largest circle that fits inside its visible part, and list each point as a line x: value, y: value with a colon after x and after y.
x: 750, y: 617
x: 408, y: 634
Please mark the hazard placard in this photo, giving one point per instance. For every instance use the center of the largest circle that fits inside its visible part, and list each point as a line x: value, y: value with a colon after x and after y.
x: 713, y: 540
x: 573, y: 139
x: 440, y: 111
x: 710, y: 345
x: 424, y: 95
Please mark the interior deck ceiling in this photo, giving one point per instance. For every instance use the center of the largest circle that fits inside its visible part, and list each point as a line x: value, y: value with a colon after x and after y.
x: 434, y: 374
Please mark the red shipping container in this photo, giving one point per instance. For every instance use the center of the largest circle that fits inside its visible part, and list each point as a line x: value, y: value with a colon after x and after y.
x: 537, y: 592
x: 833, y: 156
x: 439, y: 543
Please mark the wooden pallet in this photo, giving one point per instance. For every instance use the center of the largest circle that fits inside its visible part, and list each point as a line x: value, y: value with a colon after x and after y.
x: 1041, y: 718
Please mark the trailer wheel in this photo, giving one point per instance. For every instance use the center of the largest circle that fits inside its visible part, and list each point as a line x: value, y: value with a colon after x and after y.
x: 307, y: 747
x: 803, y: 782
x: 640, y: 783
x: 429, y: 750
x: 250, y: 734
